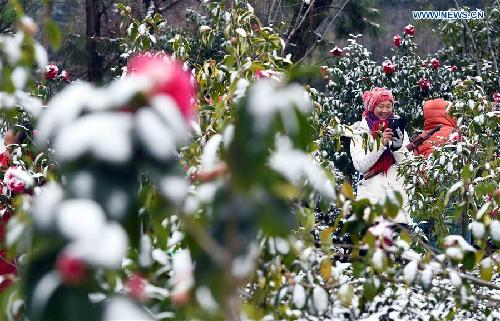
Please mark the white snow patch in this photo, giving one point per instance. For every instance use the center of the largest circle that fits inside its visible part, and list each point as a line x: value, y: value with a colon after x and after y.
x: 145, y: 248
x: 45, y: 206
x: 124, y: 309
x: 106, y: 248
x: 495, y: 230
x: 155, y: 135
x: 268, y: 98
x: 80, y: 218
x: 297, y: 166
x: 243, y: 265
x: 320, y: 299
x: 107, y: 136
x: 299, y: 296
x: 410, y: 272
x: 175, y: 188
x: 205, y: 299
x: 182, y: 272
x: 209, y: 156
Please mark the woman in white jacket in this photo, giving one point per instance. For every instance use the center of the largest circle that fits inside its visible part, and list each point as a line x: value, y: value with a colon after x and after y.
x: 378, y: 164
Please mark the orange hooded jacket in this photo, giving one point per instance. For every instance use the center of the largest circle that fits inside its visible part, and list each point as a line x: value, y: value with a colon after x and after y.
x: 435, y: 114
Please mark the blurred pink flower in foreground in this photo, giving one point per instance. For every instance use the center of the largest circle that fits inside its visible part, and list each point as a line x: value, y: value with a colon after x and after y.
x: 136, y: 285
x: 169, y: 79
x: 268, y: 73
x: 72, y: 270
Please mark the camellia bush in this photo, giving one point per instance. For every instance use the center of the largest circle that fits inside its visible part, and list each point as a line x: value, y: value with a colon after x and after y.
x: 208, y: 182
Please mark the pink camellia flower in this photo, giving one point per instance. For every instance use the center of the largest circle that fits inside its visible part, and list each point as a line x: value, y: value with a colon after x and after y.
x: 410, y: 30
x: 72, y: 270
x: 496, y: 97
x: 424, y: 84
x: 65, y: 75
x: 336, y: 52
x: 453, y: 68
x: 50, y: 72
x: 169, y: 79
x: 397, y: 40
x: 137, y: 285
x: 268, y: 73
x: 435, y: 63
x: 388, y: 67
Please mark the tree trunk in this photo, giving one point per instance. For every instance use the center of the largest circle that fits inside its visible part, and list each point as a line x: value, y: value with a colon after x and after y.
x: 95, y: 61
x: 302, y: 35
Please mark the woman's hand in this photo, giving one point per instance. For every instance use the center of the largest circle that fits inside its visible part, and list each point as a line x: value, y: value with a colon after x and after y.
x: 387, y: 136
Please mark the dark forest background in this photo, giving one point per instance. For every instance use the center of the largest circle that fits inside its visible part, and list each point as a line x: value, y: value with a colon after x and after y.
x: 90, y: 29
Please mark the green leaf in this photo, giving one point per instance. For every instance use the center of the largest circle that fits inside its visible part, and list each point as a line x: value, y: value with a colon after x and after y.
x: 53, y: 33
x: 469, y: 260
x: 369, y: 290
x: 357, y: 269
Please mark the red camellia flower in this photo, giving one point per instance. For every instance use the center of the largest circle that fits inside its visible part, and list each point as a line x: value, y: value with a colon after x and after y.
x: 496, y: 97
x: 336, y: 52
x: 65, y: 76
x: 169, y: 79
x: 12, y: 181
x: 453, y: 68
x: 435, y: 63
x: 454, y: 137
x: 397, y: 40
x: 50, y: 72
x: 71, y: 269
x: 409, y: 30
x: 388, y: 67
x: 424, y: 84
x: 136, y: 285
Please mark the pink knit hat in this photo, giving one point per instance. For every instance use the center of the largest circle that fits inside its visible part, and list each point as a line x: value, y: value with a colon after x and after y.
x: 375, y: 96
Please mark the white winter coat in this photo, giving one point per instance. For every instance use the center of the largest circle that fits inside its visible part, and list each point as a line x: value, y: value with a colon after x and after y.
x: 375, y: 188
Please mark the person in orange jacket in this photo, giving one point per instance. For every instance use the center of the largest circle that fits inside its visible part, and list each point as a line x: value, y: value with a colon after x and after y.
x: 435, y: 114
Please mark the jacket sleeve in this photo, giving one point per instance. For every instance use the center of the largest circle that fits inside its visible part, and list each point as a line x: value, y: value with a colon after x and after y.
x: 363, y: 159
x: 403, y: 153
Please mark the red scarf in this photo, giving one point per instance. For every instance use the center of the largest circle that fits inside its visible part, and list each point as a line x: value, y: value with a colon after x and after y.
x: 385, y: 160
